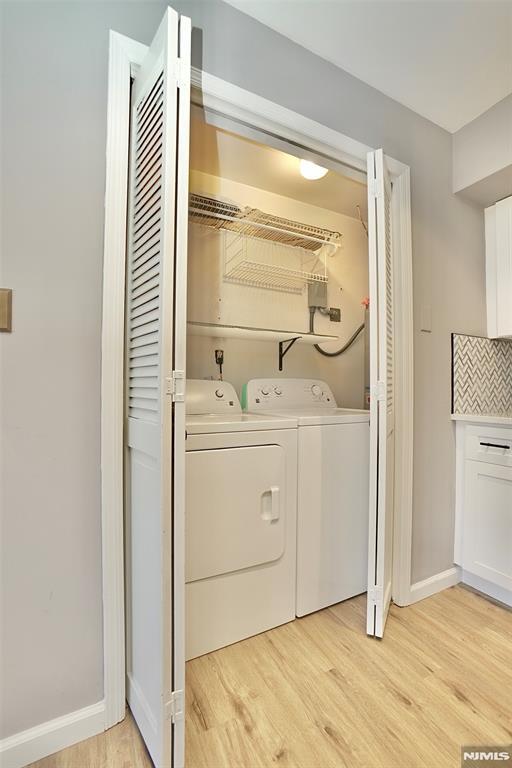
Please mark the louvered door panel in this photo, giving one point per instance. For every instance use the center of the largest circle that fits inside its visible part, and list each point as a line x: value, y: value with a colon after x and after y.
x: 144, y: 262
x: 155, y: 425
x: 382, y: 403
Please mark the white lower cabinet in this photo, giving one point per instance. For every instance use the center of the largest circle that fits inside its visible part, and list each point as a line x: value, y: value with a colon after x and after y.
x: 484, y: 508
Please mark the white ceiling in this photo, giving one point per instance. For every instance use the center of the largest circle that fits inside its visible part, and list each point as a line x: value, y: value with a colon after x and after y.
x: 220, y: 153
x: 448, y: 60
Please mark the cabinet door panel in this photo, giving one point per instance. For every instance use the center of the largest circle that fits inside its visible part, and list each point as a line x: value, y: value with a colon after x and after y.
x: 487, y: 546
x: 504, y: 266
x: 498, y: 257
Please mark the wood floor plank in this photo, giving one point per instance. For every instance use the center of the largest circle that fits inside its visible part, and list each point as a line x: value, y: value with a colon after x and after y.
x: 317, y: 693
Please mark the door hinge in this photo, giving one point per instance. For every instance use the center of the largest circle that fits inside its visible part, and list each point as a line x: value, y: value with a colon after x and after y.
x: 375, y: 595
x: 175, y: 707
x: 374, y: 188
x: 379, y: 391
x: 175, y: 386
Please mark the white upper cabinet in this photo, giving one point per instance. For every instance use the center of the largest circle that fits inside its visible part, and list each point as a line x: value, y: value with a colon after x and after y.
x: 498, y: 254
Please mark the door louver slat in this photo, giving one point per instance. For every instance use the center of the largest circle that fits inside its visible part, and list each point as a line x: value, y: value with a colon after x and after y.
x: 143, y: 341
x: 145, y: 330
x: 139, y: 363
x: 146, y: 353
x: 145, y: 318
x: 139, y: 305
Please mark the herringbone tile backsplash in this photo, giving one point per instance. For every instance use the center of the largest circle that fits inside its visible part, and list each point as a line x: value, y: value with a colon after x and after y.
x: 481, y: 376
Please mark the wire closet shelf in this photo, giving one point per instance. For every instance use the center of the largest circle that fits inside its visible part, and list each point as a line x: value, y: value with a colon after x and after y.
x: 263, y: 250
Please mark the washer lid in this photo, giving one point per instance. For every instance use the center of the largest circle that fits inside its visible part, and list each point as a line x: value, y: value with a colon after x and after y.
x: 320, y: 416
x: 211, y: 423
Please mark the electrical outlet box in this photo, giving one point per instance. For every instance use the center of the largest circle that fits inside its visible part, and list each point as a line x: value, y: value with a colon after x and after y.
x: 335, y: 315
x: 317, y: 294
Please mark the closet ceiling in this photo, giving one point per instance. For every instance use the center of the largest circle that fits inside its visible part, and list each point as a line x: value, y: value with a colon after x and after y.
x: 220, y: 153
x: 448, y: 60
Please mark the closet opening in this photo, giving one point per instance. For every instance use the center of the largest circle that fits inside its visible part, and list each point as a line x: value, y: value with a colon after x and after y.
x: 277, y: 418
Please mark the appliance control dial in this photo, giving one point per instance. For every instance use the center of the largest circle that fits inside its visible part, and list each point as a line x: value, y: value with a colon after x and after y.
x: 265, y: 391
x: 278, y: 390
x: 316, y: 390
x: 219, y: 393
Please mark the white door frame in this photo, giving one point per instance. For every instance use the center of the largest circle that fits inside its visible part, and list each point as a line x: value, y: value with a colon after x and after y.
x: 227, y: 101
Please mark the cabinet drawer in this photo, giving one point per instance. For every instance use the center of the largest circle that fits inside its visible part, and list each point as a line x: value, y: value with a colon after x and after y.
x: 490, y: 444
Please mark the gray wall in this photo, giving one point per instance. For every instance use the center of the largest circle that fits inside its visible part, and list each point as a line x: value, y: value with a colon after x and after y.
x: 482, y: 155
x: 53, y: 122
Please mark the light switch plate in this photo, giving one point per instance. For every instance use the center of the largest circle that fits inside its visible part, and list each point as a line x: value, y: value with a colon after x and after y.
x: 6, y: 309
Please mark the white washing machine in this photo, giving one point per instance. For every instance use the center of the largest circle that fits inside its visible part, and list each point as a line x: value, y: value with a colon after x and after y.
x: 240, y: 519
x: 333, y: 487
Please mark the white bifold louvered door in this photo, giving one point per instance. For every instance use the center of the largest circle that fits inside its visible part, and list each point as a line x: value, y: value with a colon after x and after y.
x: 155, y: 362
x: 382, y: 409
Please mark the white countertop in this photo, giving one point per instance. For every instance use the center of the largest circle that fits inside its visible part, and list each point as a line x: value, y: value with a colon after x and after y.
x: 504, y: 420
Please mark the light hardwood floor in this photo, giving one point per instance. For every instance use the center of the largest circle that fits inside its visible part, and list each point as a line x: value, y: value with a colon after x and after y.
x: 317, y: 693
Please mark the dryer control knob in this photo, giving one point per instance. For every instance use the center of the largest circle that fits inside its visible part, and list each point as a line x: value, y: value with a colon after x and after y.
x: 219, y: 393
x: 265, y: 391
x: 278, y: 390
x: 316, y: 390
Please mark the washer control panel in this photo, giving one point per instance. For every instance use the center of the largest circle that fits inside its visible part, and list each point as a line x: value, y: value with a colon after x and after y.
x: 211, y: 397
x: 266, y: 394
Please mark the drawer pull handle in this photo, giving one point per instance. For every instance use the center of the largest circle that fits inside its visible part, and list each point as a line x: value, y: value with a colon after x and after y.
x: 495, y: 445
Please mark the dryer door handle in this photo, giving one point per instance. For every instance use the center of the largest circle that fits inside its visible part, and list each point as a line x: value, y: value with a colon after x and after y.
x: 270, y: 506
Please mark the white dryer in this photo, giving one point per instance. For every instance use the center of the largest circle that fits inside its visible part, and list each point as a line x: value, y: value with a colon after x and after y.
x: 333, y: 487
x: 240, y: 519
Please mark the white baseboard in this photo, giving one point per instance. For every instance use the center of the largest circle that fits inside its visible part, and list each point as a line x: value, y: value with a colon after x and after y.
x: 428, y: 587
x: 35, y: 743
x: 500, y: 594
